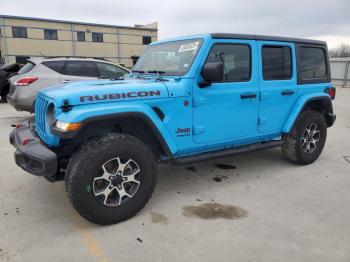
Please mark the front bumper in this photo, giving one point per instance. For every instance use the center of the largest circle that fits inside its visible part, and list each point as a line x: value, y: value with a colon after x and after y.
x: 31, y: 154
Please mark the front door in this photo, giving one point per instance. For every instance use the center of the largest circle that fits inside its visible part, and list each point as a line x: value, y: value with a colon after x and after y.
x: 278, y: 84
x: 228, y: 110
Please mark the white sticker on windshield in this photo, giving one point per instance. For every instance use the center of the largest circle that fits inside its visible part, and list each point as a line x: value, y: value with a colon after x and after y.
x: 186, y: 65
x: 189, y: 47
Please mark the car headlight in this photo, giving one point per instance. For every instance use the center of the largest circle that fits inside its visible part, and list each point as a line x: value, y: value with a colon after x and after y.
x: 64, y: 126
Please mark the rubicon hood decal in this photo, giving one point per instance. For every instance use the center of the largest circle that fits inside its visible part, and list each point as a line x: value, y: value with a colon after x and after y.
x: 114, y: 96
x: 107, y: 91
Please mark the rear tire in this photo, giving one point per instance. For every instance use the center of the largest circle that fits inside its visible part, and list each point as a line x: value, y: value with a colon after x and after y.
x: 304, y: 144
x: 110, y: 179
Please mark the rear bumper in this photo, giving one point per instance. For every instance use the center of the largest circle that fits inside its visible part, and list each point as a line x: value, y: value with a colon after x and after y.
x: 21, y: 100
x: 30, y: 154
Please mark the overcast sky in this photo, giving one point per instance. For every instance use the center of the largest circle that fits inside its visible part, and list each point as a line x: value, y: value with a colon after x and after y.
x: 328, y: 20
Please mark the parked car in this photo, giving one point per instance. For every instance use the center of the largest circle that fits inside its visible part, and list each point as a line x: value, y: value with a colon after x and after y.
x: 6, y: 71
x: 188, y: 99
x: 40, y: 73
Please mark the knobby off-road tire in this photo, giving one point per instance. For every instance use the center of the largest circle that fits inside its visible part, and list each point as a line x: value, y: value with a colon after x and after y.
x: 103, y: 182
x: 306, y: 141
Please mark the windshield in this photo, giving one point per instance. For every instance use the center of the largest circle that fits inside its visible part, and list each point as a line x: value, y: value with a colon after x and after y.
x: 171, y: 58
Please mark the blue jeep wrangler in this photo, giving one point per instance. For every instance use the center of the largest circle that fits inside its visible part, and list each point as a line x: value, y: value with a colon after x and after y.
x: 187, y: 99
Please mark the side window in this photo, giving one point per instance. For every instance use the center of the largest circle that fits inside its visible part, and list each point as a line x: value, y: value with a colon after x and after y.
x: 146, y: 40
x: 236, y: 59
x: 81, y: 68
x: 97, y: 37
x: 81, y: 36
x: 50, y: 34
x: 277, y: 62
x: 56, y: 66
x: 19, y: 32
x: 312, y: 63
x: 108, y: 71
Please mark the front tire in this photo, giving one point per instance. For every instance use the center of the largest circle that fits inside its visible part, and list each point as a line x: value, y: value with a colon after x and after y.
x: 110, y: 179
x: 307, y: 139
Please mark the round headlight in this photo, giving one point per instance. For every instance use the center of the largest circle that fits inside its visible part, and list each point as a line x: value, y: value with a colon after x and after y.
x: 50, y: 114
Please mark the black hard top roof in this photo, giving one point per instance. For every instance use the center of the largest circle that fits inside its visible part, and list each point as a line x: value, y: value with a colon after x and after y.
x: 266, y: 38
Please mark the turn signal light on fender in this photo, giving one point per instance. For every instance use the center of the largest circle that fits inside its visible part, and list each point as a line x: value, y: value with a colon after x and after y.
x: 67, y: 126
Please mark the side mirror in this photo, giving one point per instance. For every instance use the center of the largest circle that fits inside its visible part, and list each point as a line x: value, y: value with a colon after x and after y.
x: 213, y: 72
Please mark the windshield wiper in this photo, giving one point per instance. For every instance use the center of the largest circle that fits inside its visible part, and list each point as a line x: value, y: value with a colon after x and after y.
x: 159, y: 74
x: 156, y: 72
x: 138, y: 72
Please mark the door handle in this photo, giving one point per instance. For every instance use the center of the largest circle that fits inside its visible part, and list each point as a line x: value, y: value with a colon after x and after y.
x: 65, y: 81
x: 248, y: 96
x: 287, y: 92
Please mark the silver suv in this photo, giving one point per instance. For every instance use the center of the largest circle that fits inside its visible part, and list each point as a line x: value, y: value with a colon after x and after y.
x: 40, y: 73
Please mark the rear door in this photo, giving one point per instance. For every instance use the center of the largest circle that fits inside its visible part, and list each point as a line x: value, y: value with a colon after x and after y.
x: 79, y: 71
x: 278, y: 84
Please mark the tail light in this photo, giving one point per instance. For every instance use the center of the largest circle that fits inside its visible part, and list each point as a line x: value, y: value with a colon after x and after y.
x: 26, y: 81
x: 330, y: 91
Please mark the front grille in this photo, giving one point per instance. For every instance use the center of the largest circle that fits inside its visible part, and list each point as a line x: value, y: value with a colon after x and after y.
x: 40, y: 114
x: 12, y: 89
x: 42, y: 127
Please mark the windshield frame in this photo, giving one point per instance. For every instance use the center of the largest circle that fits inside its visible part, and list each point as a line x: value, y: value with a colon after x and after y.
x: 199, y: 48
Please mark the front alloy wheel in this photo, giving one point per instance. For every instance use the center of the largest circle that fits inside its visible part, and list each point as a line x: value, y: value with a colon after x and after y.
x: 110, y: 179
x: 118, y: 183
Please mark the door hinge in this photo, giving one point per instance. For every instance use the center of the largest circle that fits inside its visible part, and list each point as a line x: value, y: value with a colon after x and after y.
x: 198, y: 130
x: 262, y: 120
x: 198, y: 101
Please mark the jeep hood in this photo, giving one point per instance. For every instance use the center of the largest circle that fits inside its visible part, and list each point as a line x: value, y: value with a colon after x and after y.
x: 106, y: 91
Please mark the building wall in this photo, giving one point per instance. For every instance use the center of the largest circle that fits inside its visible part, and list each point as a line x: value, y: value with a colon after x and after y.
x: 119, y: 43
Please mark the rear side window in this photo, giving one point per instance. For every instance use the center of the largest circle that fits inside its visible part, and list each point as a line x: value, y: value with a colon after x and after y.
x: 56, y: 66
x: 277, y: 62
x: 26, y: 68
x: 108, y: 71
x: 313, y: 63
x: 236, y: 59
x: 81, y: 68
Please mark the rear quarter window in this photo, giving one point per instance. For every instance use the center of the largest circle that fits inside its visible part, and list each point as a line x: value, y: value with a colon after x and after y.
x: 313, y: 65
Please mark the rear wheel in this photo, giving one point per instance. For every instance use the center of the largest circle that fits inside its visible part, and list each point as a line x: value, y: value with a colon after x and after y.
x: 306, y: 141
x: 110, y: 179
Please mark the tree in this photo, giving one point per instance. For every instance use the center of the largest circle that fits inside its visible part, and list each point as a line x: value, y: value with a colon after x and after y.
x: 342, y: 50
